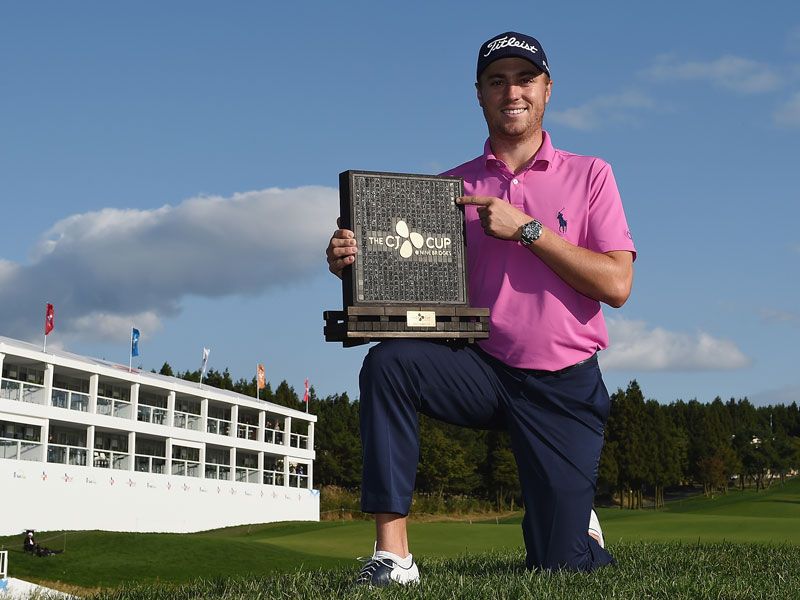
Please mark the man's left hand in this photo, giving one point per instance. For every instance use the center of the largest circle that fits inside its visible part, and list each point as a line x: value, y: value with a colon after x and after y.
x: 498, y: 218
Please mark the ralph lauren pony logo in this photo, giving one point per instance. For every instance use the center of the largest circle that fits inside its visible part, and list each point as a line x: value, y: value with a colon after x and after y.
x: 562, y: 222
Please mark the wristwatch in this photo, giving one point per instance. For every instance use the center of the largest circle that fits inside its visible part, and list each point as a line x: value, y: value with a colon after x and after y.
x: 530, y: 232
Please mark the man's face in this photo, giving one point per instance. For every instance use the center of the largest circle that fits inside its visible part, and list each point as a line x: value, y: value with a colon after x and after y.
x: 513, y: 94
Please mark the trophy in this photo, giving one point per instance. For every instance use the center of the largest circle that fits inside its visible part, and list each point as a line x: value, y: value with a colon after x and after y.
x: 409, y: 278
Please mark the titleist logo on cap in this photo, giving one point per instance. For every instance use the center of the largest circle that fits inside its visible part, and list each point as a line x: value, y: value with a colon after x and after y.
x: 506, y: 41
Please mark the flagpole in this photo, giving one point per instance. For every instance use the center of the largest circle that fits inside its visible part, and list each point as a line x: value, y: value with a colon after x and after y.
x: 44, y: 348
x: 130, y: 353
x: 258, y: 389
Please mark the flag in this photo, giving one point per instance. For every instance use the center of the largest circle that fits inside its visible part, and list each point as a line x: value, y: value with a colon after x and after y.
x: 49, y: 319
x: 261, y: 377
x: 134, y: 342
x: 206, y: 352
x: 305, y: 396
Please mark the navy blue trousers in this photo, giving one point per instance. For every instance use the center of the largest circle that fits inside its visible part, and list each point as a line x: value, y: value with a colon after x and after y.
x: 555, y: 421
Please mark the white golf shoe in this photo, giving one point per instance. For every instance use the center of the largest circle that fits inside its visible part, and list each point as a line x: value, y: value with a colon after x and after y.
x: 595, y: 530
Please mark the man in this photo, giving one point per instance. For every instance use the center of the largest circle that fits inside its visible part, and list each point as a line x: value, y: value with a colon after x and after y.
x: 547, y: 242
x: 28, y: 544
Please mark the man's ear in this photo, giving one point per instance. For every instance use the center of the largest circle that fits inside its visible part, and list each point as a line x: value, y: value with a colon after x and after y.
x: 478, y: 94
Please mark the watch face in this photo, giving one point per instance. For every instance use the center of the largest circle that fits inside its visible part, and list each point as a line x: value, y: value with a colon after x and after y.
x: 531, y: 232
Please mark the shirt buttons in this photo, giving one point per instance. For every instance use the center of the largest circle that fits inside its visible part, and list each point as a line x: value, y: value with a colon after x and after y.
x: 515, y: 181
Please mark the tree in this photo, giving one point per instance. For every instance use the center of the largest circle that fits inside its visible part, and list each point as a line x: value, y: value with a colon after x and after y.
x: 730, y: 463
x: 785, y: 455
x: 625, y: 428
x: 338, y: 443
x: 711, y: 472
x: 503, y: 473
x: 608, y: 470
x: 664, y: 449
x: 756, y: 459
x: 286, y: 396
x: 751, y: 429
x: 166, y: 370
x: 220, y: 380
x: 443, y: 465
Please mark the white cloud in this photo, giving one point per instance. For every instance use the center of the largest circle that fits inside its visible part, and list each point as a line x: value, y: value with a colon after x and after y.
x: 788, y: 114
x: 636, y: 346
x: 773, y: 315
x: 104, y: 270
x: 7, y: 269
x: 604, y: 110
x: 734, y: 73
x: 113, y: 327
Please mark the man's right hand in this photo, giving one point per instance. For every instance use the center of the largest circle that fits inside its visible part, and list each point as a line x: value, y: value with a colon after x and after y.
x: 341, y: 250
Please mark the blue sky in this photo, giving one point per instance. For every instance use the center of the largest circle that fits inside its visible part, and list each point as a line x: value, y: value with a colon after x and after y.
x: 174, y: 165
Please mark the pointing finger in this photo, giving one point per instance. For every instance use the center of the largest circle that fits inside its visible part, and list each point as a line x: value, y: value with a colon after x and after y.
x: 475, y: 200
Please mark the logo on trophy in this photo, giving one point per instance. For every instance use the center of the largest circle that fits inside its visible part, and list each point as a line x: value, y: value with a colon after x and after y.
x: 409, y: 278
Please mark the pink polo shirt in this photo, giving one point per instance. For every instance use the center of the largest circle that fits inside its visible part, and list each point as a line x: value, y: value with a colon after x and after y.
x: 537, y: 320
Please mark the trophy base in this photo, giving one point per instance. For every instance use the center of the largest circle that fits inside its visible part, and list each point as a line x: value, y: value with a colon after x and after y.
x: 361, y: 324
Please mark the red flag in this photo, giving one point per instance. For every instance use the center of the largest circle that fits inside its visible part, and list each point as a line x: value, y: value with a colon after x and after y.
x: 49, y: 319
x: 305, y: 397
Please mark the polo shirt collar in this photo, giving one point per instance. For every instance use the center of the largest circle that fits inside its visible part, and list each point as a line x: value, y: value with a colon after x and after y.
x: 545, y: 154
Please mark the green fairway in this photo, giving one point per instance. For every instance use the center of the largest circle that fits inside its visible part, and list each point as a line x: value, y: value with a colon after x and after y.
x: 749, y: 516
x: 103, y: 559
x: 97, y: 559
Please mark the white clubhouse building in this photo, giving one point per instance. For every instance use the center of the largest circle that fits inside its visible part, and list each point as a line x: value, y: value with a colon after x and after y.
x: 88, y: 444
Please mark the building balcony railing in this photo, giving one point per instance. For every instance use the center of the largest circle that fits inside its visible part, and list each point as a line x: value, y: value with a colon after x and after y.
x: 20, y: 449
x: 113, y: 407
x: 66, y: 455
x: 218, y: 426
x: 69, y: 400
x: 106, y: 459
x: 297, y: 440
x: 245, y: 474
x: 273, y: 477
x: 188, y: 468
x: 11, y: 389
x: 151, y: 414
x: 186, y: 420
x: 273, y: 436
x: 145, y: 463
x: 297, y: 480
x: 247, y: 432
x: 218, y: 472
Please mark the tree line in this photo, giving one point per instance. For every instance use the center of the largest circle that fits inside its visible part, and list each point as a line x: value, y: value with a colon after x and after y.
x: 649, y: 447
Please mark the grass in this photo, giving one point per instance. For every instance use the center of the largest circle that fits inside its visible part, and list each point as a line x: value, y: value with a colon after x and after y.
x: 742, y: 516
x: 766, y: 516
x: 646, y: 570
x: 98, y: 559
x: 243, y: 561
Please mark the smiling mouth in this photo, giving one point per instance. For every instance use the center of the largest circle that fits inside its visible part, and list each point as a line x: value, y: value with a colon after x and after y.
x: 514, y: 111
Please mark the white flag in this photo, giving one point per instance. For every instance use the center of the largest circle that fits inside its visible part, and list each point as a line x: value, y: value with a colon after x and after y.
x: 206, y: 352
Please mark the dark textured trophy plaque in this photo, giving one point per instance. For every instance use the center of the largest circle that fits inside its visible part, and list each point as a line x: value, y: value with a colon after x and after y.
x: 409, y: 278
